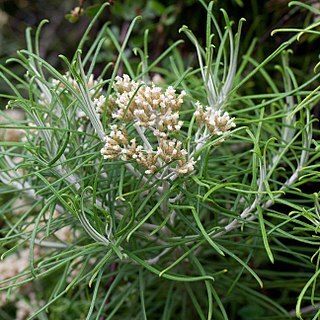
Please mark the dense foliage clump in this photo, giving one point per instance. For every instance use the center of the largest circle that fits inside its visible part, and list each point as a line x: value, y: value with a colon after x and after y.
x: 182, y: 186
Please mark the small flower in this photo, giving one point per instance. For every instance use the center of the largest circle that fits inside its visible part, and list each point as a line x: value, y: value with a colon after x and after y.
x: 76, y: 12
x: 124, y: 84
x: 112, y: 148
x: 148, y: 160
x: 220, y: 123
x: 170, y: 150
x: 216, y: 121
x: 99, y: 103
x: 185, y: 167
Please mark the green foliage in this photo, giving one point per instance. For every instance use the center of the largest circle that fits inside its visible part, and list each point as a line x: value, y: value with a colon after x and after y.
x: 237, y: 238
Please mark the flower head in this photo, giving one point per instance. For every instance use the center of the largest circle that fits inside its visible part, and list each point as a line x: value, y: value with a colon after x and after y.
x: 147, y: 106
x: 154, y: 112
x: 217, y: 121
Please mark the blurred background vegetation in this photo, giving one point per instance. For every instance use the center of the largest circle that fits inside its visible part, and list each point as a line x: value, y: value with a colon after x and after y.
x: 69, y: 19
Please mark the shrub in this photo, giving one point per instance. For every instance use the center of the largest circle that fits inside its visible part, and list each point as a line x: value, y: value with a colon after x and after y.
x: 192, y: 195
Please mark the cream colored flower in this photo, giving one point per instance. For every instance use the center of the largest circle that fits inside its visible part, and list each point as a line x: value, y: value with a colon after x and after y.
x: 216, y: 121
x: 153, y: 112
x: 147, y: 106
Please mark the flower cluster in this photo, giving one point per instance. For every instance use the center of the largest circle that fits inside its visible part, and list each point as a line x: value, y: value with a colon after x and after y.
x: 216, y: 121
x: 147, y: 106
x: 117, y: 145
x: 151, y: 110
